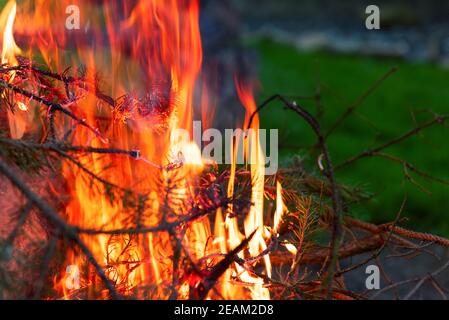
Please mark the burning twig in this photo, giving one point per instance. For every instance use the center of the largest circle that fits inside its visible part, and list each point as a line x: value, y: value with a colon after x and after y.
x: 201, y: 290
x: 183, y: 206
x: 51, y: 106
x: 25, y: 66
x: 199, y: 213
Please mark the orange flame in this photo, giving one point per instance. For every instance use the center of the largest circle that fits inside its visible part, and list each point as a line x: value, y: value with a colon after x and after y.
x: 9, y: 47
x: 17, y: 122
x: 280, y: 208
x: 151, y: 59
x: 254, y: 220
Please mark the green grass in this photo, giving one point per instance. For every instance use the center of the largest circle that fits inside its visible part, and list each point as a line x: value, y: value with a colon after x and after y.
x: 385, y: 114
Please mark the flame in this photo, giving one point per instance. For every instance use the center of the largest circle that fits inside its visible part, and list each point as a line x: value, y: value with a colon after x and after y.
x: 9, y: 47
x: 165, y: 52
x: 22, y: 106
x: 17, y: 122
x: 151, y: 58
x: 254, y: 219
x: 280, y: 208
x: 291, y: 248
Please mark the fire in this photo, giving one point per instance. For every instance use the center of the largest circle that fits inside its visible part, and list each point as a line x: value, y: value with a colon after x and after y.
x: 9, y: 47
x: 280, y: 208
x: 22, y: 106
x: 152, y: 59
x: 17, y: 122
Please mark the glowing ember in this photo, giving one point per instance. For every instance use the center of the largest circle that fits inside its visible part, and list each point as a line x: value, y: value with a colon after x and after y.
x: 22, y: 106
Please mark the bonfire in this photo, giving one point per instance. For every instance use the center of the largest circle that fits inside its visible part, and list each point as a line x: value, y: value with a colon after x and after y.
x: 102, y: 200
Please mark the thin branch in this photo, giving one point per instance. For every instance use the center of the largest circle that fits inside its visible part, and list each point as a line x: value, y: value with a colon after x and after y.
x: 360, y: 100
x: 319, y: 255
x: 51, y: 106
x: 78, y: 82
x: 411, y: 167
x: 378, y: 251
x: 439, y: 119
x: 424, y: 279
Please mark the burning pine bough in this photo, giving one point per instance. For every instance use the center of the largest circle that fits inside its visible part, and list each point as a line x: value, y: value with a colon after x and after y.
x: 138, y: 222
x: 99, y: 202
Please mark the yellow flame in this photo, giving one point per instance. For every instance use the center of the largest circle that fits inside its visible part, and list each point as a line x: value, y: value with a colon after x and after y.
x: 17, y: 122
x: 280, y: 208
x: 22, y: 106
x: 254, y: 219
x: 9, y: 47
x: 158, y: 41
x: 291, y: 248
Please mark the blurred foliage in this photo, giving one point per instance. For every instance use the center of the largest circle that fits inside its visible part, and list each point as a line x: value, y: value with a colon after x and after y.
x: 392, y: 109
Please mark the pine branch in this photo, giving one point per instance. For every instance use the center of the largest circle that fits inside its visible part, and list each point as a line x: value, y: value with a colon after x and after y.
x: 65, y: 229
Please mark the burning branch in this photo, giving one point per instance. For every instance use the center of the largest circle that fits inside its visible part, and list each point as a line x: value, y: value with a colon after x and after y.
x: 59, y: 223
x: 210, y: 278
x: 153, y: 236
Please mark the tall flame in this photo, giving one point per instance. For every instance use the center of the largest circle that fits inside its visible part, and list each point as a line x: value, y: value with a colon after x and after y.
x: 254, y: 220
x: 9, y: 47
x: 17, y: 123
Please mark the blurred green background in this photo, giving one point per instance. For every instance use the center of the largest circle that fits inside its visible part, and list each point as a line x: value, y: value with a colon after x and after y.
x: 395, y: 107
